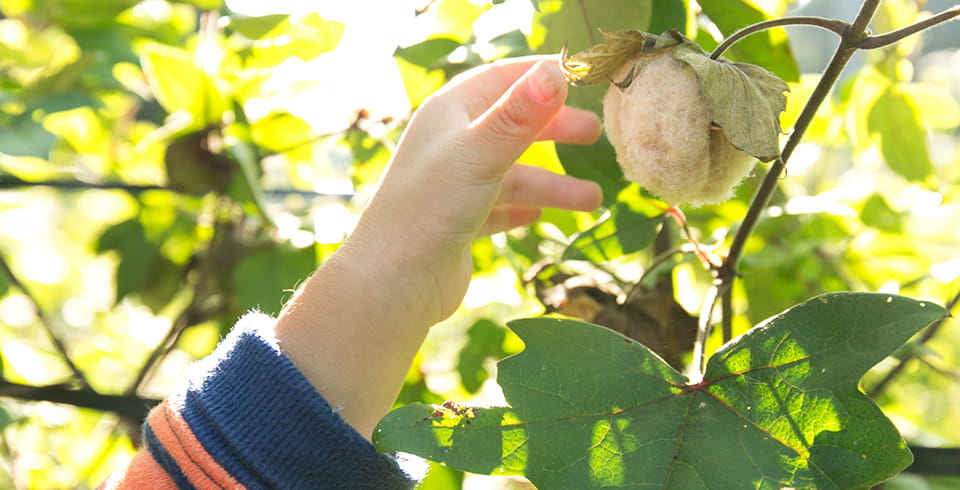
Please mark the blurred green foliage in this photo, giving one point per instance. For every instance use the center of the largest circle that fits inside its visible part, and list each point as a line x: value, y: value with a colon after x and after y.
x: 167, y: 165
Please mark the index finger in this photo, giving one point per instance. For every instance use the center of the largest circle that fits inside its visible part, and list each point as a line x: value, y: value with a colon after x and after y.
x: 475, y: 90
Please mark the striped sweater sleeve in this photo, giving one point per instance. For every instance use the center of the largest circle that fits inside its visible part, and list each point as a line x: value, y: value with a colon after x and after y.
x: 245, y: 417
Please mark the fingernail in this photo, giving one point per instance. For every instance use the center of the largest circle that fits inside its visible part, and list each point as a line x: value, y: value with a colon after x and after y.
x: 545, y: 81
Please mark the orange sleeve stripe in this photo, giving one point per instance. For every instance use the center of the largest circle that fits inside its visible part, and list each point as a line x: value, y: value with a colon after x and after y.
x: 141, y: 472
x: 173, y: 432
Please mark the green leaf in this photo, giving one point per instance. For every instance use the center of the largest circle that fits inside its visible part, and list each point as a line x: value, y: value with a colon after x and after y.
x: 203, y: 4
x: 484, y: 341
x: 304, y: 37
x: 179, y: 84
x: 621, y: 231
x: 4, y: 287
x: 79, y: 14
x: 137, y: 255
x: 24, y: 136
x: 536, y: 3
x: 160, y: 285
x: 668, y: 14
x: 258, y: 27
x: 878, y: 214
x: 596, y: 162
x: 903, y: 140
x: 778, y: 406
x: 935, y: 105
x: 440, y: 477
x: 263, y: 279
x: 245, y: 185
x: 576, y: 23
x: 429, y: 52
x: 455, y: 18
x: 280, y: 132
x: 5, y: 417
x: 769, y: 49
x: 746, y: 99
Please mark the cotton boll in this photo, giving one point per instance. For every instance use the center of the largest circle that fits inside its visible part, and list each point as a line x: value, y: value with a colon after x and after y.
x: 660, y: 127
x: 728, y: 166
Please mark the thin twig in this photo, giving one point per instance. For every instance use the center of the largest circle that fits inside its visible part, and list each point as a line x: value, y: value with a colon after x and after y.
x: 8, y: 182
x: 130, y: 406
x: 703, y: 333
x: 939, y: 369
x: 927, y: 335
x: 46, y: 322
x: 879, y: 41
x: 169, y: 340
x: 204, y: 285
x: 659, y: 260
x: 586, y: 21
x: 681, y: 219
x: 726, y: 307
x: 837, y: 26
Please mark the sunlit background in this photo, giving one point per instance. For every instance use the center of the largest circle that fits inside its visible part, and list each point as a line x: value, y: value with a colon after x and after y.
x: 84, y: 109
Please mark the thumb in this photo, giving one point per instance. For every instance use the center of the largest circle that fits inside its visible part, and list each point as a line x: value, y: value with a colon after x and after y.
x: 498, y: 136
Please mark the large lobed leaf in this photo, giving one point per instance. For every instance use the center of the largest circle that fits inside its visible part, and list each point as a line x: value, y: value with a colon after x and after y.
x: 619, y: 232
x: 778, y: 406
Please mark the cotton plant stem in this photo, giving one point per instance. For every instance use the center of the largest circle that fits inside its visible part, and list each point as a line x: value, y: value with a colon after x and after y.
x: 836, y: 26
x: 882, y: 40
x: 726, y: 307
x: 726, y: 274
x: 853, y: 37
x: 845, y: 50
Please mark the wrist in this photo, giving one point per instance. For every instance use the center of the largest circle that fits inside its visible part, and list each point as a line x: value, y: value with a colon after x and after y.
x: 354, y: 327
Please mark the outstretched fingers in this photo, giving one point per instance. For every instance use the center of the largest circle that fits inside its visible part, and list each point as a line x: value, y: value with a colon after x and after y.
x: 572, y: 125
x: 518, y: 117
x: 530, y: 186
x: 526, y: 190
x: 508, y: 217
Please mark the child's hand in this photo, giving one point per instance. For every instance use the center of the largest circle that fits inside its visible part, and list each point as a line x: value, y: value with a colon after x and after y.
x: 355, y: 326
x: 454, y: 178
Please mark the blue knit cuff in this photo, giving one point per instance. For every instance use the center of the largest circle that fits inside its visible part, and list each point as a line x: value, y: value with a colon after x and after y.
x: 263, y: 421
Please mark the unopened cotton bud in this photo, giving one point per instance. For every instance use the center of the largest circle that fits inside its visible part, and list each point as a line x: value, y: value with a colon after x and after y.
x: 662, y: 130
x: 684, y: 125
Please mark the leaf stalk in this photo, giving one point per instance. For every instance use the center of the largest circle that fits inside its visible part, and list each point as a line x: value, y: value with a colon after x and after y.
x: 837, y: 26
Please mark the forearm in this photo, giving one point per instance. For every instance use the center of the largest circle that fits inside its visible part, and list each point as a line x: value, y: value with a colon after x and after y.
x: 354, y: 327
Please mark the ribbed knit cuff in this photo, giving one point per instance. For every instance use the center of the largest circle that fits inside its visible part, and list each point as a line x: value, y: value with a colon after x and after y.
x: 263, y: 421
